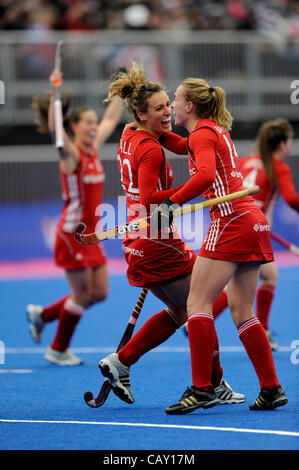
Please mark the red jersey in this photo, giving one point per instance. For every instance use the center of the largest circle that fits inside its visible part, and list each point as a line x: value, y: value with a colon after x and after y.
x: 146, y: 178
x: 239, y: 231
x: 213, y: 166
x: 82, y: 192
x: 255, y: 174
x: 146, y: 175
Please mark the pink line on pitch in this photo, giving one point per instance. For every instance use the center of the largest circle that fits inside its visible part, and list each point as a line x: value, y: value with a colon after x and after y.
x: 286, y: 258
x: 45, y: 268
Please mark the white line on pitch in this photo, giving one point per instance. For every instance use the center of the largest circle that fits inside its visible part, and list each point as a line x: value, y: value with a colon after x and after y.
x: 168, y: 426
x: 16, y: 371
x: 108, y: 349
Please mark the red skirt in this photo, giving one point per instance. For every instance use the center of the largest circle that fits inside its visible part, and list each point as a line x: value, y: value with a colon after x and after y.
x: 243, y: 236
x: 69, y: 254
x: 155, y: 262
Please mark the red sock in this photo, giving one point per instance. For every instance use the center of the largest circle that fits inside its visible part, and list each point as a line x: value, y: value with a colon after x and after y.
x: 202, y: 339
x: 257, y: 346
x: 264, y: 300
x: 155, y: 331
x: 217, y: 371
x: 70, y: 316
x: 51, y: 312
x: 220, y: 304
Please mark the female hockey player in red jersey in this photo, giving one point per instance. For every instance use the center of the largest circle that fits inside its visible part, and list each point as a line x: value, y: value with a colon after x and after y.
x: 268, y: 170
x: 160, y: 261
x: 82, y: 181
x: 237, y: 243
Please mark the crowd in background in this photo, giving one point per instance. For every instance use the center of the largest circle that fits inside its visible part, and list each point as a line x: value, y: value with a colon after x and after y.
x: 89, y: 15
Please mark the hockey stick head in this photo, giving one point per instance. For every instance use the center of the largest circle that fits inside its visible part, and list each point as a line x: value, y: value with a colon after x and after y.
x: 90, y: 400
x: 99, y: 400
x: 96, y: 402
x: 78, y: 233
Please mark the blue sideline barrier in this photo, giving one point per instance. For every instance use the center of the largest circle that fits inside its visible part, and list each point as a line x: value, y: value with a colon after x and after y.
x: 27, y: 229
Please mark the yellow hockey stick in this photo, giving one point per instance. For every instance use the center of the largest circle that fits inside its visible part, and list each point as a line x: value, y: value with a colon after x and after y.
x: 138, y: 224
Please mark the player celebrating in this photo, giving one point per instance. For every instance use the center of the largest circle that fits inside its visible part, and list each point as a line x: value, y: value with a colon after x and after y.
x: 268, y: 170
x: 162, y: 262
x: 237, y: 243
x: 82, y: 180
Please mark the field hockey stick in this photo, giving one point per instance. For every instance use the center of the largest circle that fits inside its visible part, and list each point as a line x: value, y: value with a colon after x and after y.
x: 135, y: 225
x: 99, y: 400
x: 285, y: 243
x: 57, y: 101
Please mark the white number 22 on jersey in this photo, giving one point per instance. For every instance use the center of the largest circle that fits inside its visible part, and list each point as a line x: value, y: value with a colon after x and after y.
x: 128, y: 177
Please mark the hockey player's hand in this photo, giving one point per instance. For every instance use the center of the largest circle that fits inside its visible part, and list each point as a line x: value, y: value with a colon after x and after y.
x: 162, y: 217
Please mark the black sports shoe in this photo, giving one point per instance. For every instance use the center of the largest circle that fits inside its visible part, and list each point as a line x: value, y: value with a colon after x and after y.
x: 192, y: 399
x: 269, y: 399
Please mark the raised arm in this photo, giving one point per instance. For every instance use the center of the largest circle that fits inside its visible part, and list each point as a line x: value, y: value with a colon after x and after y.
x: 68, y: 154
x: 109, y: 121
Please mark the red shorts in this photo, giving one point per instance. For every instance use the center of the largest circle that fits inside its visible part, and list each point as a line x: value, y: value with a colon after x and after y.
x: 243, y: 236
x: 69, y: 254
x: 153, y: 262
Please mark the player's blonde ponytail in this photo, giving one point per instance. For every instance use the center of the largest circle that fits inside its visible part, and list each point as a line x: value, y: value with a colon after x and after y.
x: 209, y: 102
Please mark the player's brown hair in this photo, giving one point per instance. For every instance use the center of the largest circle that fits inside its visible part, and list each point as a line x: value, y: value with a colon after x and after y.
x: 133, y: 87
x: 270, y: 135
x: 209, y: 102
x: 41, y: 105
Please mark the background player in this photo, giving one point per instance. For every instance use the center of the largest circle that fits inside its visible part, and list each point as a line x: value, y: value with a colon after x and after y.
x: 82, y: 181
x: 268, y: 170
x: 237, y: 243
x: 162, y: 262
x: 274, y: 177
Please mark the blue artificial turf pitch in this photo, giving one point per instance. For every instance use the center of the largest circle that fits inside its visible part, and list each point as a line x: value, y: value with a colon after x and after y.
x: 42, y: 406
